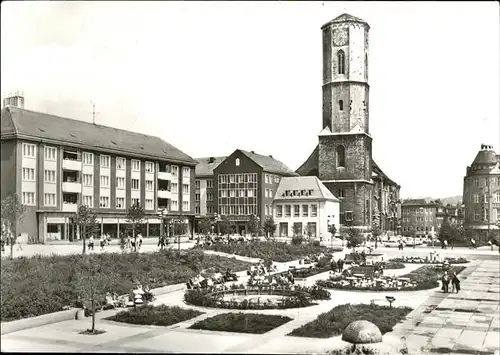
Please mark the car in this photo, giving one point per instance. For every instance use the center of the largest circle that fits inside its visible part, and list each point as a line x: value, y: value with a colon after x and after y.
x: 391, y: 243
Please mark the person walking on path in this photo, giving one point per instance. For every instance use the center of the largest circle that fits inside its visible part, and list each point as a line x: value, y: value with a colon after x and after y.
x: 139, y: 241
x: 102, y: 242
x: 19, y: 242
x: 340, y: 265
x: 91, y: 243
x: 455, y: 283
x: 333, y: 266
x: 446, y: 282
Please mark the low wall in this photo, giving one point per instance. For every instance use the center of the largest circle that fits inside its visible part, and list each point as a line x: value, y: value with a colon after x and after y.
x: 26, y: 323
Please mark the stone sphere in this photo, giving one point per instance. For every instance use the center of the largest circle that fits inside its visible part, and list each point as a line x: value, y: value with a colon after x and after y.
x: 362, y: 332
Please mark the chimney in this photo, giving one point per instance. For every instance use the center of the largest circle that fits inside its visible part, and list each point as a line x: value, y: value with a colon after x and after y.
x: 270, y: 156
x: 252, y: 152
x: 211, y: 160
x: 15, y: 99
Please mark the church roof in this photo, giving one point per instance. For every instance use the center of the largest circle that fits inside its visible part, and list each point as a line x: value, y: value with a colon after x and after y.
x: 206, y: 166
x: 21, y: 123
x: 486, y: 157
x: 310, y: 166
x: 303, y: 188
x: 346, y: 18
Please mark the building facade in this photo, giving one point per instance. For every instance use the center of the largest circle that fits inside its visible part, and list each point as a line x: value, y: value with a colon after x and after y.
x: 481, y: 195
x: 419, y: 218
x: 55, y: 164
x: 205, y: 198
x: 343, y: 158
x: 245, y: 185
x: 305, y: 206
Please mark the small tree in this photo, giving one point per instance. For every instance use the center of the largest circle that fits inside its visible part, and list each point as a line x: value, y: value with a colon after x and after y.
x: 253, y: 225
x: 354, y: 238
x: 205, y: 226
x: 135, y: 216
x: 269, y: 226
x: 445, y: 232
x: 12, y: 212
x: 310, y: 231
x: 226, y: 226
x: 91, y: 285
x: 87, y: 222
x: 297, y: 229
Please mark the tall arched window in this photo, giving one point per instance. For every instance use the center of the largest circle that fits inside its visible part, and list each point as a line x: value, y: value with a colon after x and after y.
x: 341, y: 61
x: 340, y: 156
x: 341, y: 105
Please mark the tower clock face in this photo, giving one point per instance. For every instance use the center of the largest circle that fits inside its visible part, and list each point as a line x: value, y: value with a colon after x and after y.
x: 340, y: 37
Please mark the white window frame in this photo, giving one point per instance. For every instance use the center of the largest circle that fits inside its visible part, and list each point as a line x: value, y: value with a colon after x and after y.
x: 186, y: 171
x: 104, y: 178
x: 88, y: 158
x: 47, y: 173
x: 104, y: 205
x: 185, y: 205
x: 121, y: 163
x: 152, y: 185
x: 197, y: 184
x: 105, y: 161
x: 27, y: 175
x: 118, y: 205
x: 50, y: 153
x: 175, y: 170
x: 27, y: 200
x: 85, y: 180
x: 210, y: 184
x: 150, y: 167
x: 136, y: 165
x: 135, y: 200
x: 120, y: 186
x: 51, y: 197
x: 90, y: 198
x: 132, y: 184
x: 29, y: 150
x: 185, y: 189
x: 149, y: 205
x: 175, y: 188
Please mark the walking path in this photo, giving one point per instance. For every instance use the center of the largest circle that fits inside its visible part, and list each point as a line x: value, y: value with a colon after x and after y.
x: 463, y: 323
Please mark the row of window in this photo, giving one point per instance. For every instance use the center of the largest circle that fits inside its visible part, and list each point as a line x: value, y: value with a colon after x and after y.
x: 483, y: 215
x: 237, y: 193
x: 241, y: 210
x: 270, y: 178
x: 418, y: 210
x: 481, y: 182
x: 310, y: 229
x: 234, y: 178
x: 297, y: 210
x: 418, y: 228
x: 418, y: 219
x: 269, y: 193
x: 210, y: 184
x: 105, y: 160
x: 476, y: 198
x: 268, y: 210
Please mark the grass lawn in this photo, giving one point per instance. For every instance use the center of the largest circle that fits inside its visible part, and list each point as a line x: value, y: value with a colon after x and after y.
x: 333, y: 322
x: 45, y: 284
x: 269, y: 250
x: 151, y: 315
x: 241, y: 323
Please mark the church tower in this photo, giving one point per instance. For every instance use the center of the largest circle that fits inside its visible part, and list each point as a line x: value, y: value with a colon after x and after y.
x: 345, y: 154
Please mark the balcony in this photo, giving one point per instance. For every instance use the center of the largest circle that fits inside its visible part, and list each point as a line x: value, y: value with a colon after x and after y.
x: 74, y: 187
x: 162, y: 175
x: 164, y: 194
x: 69, y: 207
x: 70, y: 164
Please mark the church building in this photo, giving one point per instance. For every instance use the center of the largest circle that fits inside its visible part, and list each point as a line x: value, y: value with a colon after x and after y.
x: 343, y: 158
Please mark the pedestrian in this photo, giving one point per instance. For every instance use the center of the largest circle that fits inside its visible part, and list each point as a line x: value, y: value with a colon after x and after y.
x: 161, y: 243
x: 108, y: 239
x: 491, y: 244
x: 340, y: 264
x: 91, y: 243
x: 455, y: 283
x: 139, y: 240
x: 473, y: 243
x: 333, y: 266
x: 19, y: 242
x: 102, y: 242
x: 132, y: 243
x: 445, y: 244
x: 446, y: 282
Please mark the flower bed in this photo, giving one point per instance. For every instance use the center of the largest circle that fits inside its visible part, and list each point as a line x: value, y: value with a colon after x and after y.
x: 307, y: 272
x: 275, y: 251
x: 393, y: 265
x: 334, y: 322
x: 292, y: 297
x: 241, y: 323
x: 40, y: 285
x: 420, y: 260
x: 423, y: 278
x: 151, y: 315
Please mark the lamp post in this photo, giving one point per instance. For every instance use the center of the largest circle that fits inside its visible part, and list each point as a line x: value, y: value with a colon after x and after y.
x: 162, y: 213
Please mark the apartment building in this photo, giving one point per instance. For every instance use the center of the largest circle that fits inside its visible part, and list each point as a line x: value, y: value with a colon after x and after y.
x: 205, y: 197
x: 419, y: 218
x: 56, y: 164
x: 305, y: 205
x: 246, y: 184
x: 481, y: 195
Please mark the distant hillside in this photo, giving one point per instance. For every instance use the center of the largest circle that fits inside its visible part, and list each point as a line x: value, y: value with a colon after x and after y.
x: 453, y: 200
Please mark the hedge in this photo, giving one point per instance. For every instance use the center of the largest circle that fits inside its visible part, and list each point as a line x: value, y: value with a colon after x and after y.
x: 40, y: 285
x: 275, y: 251
x: 420, y: 260
x: 241, y: 323
x: 155, y: 315
x: 426, y: 277
x: 334, y: 322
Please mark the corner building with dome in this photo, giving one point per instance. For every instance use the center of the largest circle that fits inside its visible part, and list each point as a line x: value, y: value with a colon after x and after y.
x: 343, y: 158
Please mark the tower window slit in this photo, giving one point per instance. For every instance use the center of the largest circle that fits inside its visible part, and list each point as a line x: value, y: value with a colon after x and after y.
x: 341, y: 105
x: 341, y: 62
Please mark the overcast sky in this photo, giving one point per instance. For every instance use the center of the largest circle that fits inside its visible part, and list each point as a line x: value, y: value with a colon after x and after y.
x: 215, y: 76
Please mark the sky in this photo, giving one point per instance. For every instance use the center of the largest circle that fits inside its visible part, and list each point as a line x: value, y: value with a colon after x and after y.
x: 212, y: 77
